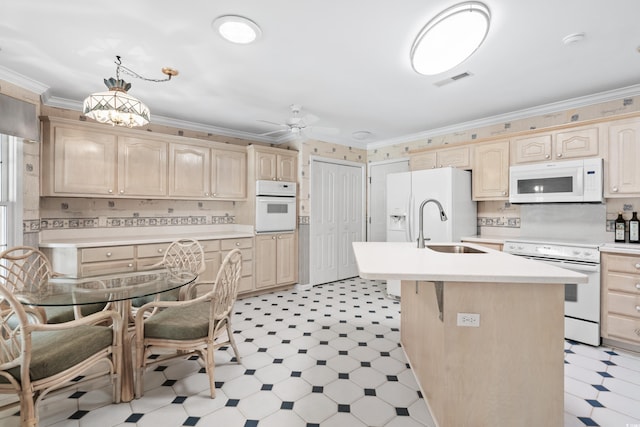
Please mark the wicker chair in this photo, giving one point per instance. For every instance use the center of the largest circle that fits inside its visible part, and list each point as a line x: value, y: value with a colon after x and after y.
x: 23, y: 268
x: 194, y: 326
x: 36, y: 358
x: 181, y: 255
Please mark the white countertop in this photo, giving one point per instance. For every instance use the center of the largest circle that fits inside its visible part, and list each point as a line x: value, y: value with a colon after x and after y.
x: 403, y: 261
x: 116, y: 237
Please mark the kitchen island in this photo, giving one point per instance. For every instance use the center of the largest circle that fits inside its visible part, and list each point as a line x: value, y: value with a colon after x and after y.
x: 482, y: 329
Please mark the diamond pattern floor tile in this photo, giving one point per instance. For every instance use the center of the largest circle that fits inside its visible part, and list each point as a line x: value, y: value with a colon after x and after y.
x: 327, y: 356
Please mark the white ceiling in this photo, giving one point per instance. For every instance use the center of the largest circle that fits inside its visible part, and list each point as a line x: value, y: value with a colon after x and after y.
x: 346, y: 62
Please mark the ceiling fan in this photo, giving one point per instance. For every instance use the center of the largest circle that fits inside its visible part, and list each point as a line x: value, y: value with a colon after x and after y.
x: 296, y: 124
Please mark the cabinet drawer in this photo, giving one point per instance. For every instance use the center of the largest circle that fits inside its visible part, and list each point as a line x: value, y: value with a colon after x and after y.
x: 623, y: 327
x: 629, y: 305
x: 228, y: 244
x: 210, y: 245
x: 152, y: 250
x: 106, y: 254
x: 623, y: 282
x: 246, y: 254
x: 100, y: 268
x: 625, y: 264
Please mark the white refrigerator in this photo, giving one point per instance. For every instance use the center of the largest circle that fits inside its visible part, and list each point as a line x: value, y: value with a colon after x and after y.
x: 406, y: 191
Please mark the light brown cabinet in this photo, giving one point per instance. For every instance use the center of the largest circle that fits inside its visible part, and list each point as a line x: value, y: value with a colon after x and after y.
x: 623, y: 174
x: 95, y: 261
x: 574, y: 143
x: 458, y: 157
x: 84, y: 160
x: 490, y: 176
x: 276, y: 166
x: 142, y: 167
x: 620, y: 315
x: 276, y: 260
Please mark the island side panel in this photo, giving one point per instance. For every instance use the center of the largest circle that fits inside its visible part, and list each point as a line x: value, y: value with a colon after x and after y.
x: 509, y: 370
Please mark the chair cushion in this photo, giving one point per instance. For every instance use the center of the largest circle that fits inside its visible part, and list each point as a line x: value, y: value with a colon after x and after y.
x: 56, y: 351
x: 179, y: 323
x: 61, y: 314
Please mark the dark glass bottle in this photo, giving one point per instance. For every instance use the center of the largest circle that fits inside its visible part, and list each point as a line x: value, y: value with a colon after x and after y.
x: 634, y: 229
x: 621, y: 228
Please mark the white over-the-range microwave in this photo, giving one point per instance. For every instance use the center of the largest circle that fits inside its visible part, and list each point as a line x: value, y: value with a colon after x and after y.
x: 557, y: 182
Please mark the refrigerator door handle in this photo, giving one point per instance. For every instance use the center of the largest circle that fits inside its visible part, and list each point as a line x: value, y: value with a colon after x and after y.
x: 409, y: 227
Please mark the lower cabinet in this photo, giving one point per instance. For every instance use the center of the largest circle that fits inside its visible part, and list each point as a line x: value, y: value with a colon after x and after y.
x: 276, y: 260
x: 620, y: 315
x: 89, y: 262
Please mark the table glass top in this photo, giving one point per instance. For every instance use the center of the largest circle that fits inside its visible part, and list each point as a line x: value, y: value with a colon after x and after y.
x: 62, y: 291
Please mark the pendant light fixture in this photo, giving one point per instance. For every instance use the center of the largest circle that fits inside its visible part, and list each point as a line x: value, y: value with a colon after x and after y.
x: 450, y: 38
x: 115, y: 106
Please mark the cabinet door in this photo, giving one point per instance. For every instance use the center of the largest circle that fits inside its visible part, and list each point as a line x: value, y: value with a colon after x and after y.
x: 286, y: 259
x: 575, y: 144
x: 266, y: 248
x: 536, y: 148
x: 84, y: 162
x: 491, y: 171
x: 266, y: 166
x: 423, y: 161
x: 189, y: 171
x: 229, y: 175
x: 142, y: 167
x: 624, y: 156
x: 455, y: 157
x: 286, y: 168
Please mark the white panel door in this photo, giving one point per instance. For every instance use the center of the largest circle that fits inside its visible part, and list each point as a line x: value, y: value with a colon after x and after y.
x: 337, y: 220
x: 324, y: 228
x: 377, y: 226
x: 349, y: 193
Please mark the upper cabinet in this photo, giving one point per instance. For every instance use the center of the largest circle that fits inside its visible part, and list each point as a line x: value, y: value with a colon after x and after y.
x: 458, y: 157
x: 142, y: 167
x: 491, y: 171
x: 566, y: 144
x: 78, y: 162
x: 623, y: 174
x: 89, y: 160
x: 275, y: 166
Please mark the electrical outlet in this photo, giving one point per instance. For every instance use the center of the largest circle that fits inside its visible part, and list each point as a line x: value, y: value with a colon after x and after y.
x: 469, y: 319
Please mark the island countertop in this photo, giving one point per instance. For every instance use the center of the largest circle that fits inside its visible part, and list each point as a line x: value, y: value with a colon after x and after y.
x: 404, y: 261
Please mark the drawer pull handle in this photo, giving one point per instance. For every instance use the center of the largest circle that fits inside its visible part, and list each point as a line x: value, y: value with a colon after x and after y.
x: 160, y: 250
x: 638, y: 286
x: 238, y: 244
x: 130, y: 265
x: 637, y: 307
x: 109, y: 254
x: 638, y: 265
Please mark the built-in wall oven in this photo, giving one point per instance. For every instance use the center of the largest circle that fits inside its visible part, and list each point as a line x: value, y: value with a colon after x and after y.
x: 582, y: 301
x: 275, y: 206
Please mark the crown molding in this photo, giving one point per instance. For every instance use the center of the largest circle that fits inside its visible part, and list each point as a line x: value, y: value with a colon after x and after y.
x: 22, y: 81
x: 540, y: 110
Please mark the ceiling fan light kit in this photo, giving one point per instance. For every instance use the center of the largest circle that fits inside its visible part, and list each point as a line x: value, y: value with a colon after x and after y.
x: 115, y: 106
x: 450, y: 38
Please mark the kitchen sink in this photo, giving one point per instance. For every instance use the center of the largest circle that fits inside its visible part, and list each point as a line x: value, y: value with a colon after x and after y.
x: 455, y: 249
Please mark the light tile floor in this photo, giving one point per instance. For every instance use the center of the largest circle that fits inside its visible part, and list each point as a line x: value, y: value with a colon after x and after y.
x: 328, y: 356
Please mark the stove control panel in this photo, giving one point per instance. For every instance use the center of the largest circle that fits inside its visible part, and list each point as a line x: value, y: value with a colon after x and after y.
x: 553, y: 250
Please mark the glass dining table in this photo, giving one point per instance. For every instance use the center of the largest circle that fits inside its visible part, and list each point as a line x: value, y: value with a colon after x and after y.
x: 116, y: 289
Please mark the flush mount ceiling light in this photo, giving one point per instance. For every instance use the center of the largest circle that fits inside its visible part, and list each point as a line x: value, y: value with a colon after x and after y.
x: 237, y: 29
x: 115, y: 106
x: 450, y: 38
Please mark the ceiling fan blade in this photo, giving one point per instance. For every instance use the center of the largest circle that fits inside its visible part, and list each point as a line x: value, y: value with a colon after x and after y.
x: 272, y: 123
x: 274, y: 131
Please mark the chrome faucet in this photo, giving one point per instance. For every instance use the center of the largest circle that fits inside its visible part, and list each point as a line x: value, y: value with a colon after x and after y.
x: 443, y: 217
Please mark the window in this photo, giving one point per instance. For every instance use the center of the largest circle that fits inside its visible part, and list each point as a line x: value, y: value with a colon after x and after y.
x: 10, y: 189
